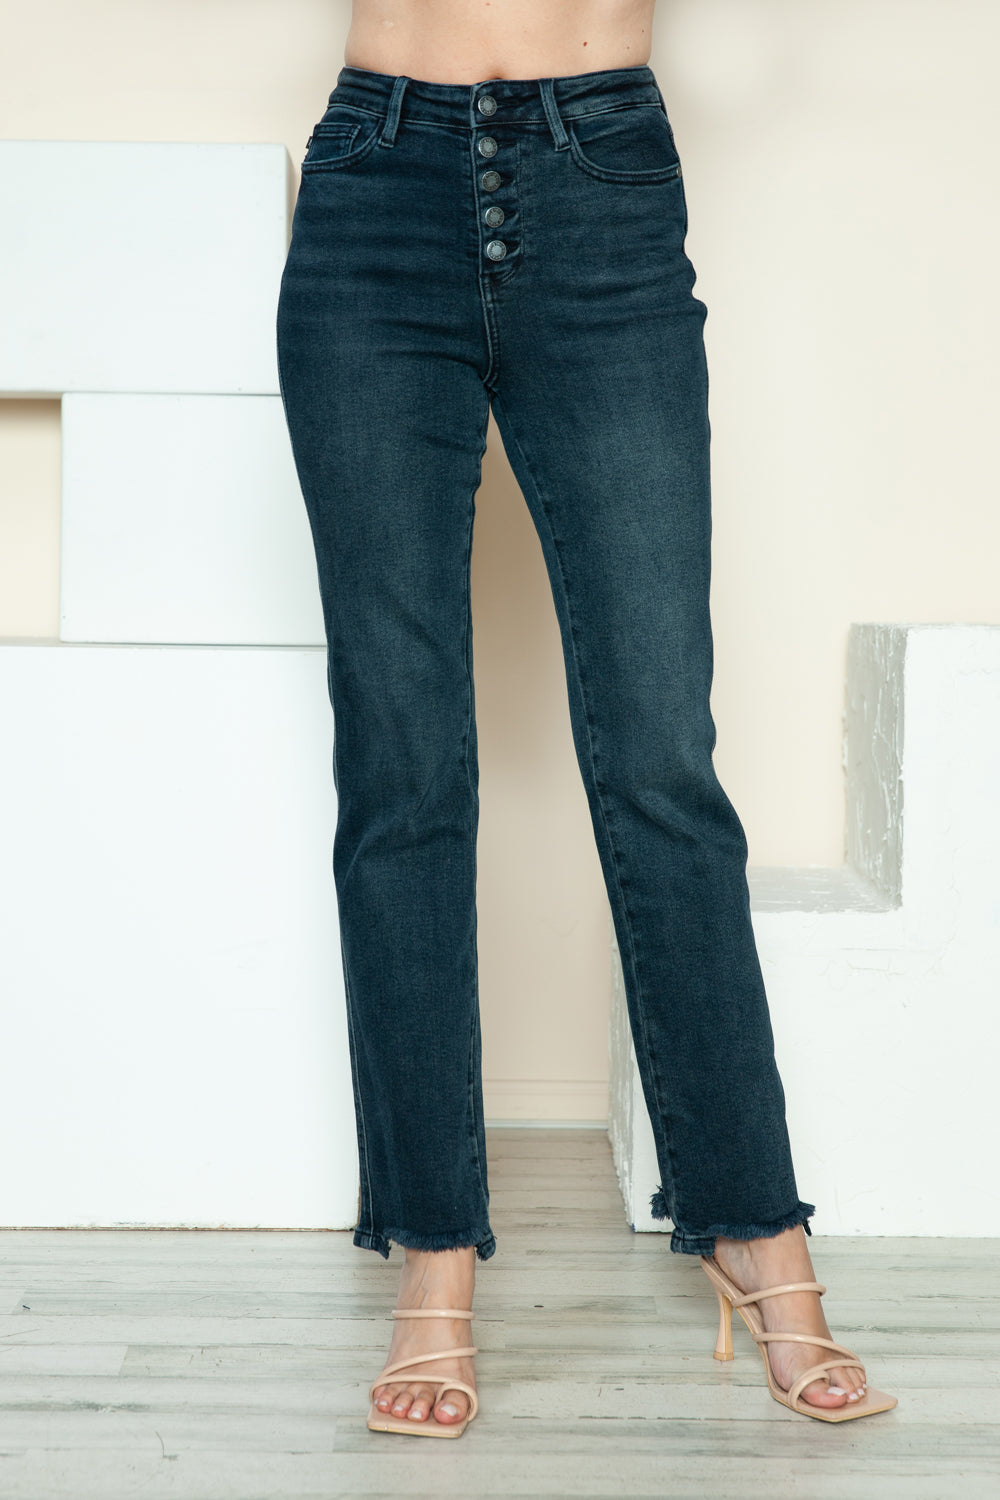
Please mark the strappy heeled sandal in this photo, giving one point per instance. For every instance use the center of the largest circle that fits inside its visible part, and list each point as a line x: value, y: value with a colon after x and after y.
x: 385, y: 1422
x: 730, y: 1296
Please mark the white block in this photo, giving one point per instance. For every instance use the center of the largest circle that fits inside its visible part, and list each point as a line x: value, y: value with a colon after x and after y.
x: 175, y: 1042
x: 883, y: 978
x: 183, y: 521
x: 140, y: 266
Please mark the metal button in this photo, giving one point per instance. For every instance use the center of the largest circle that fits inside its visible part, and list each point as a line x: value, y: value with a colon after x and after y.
x: 488, y: 146
x: 490, y: 180
x: 496, y: 249
x: 494, y: 216
x: 486, y: 104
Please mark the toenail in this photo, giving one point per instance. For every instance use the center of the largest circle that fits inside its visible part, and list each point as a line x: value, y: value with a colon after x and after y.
x: 835, y: 1390
x: 452, y: 1411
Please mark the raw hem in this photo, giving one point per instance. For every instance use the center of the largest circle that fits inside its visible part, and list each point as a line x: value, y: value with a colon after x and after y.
x: 455, y: 1239
x: 702, y: 1241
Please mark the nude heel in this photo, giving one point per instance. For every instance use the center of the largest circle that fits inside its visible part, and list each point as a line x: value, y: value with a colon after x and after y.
x: 385, y: 1422
x: 724, y: 1343
x: 746, y: 1304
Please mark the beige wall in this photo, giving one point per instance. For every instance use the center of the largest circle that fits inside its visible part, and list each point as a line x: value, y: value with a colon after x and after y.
x: 840, y: 167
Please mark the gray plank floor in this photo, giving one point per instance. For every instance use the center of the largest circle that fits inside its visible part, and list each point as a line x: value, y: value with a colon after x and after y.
x: 213, y: 1364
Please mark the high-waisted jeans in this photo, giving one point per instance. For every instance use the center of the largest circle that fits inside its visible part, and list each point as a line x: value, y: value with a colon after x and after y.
x: 518, y: 245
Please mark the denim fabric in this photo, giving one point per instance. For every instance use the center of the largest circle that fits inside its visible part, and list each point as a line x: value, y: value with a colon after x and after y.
x: 518, y: 245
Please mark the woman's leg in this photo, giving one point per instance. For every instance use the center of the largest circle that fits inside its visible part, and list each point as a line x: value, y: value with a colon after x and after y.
x: 602, y: 404
x: 381, y: 355
x: 602, y: 401
x: 387, y: 417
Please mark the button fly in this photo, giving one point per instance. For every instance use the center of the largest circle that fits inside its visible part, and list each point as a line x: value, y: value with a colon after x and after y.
x: 496, y: 250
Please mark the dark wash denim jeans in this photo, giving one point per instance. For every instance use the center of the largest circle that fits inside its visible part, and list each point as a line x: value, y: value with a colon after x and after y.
x: 518, y: 245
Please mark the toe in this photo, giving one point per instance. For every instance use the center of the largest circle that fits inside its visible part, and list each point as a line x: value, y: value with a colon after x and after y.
x: 402, y: 1403
x: 850, y: 1381
x: 857, y: 1385
x: 823, y: 1393
x: 452, y: 1407
x: 840, y: 1387
x: 421, y: 1405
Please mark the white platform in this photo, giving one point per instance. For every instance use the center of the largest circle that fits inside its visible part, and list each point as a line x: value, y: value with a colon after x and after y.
x: 883, y: 978
x: 175, y: 1043
x: 183, y: 521
x: 141, y: 266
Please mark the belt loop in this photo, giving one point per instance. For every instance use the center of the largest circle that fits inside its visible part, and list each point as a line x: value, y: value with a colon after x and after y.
x: 551, y: 109
x: 388, y: 136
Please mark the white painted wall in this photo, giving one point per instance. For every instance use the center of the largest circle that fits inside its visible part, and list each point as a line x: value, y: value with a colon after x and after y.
x: 171, y: 285
x: 175, y: 1042
x: 170, y: 962
x: 209, y: 542
x: 883, y: 977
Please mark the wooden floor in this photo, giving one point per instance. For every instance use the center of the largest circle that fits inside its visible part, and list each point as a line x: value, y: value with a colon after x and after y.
x: 210, y: 1364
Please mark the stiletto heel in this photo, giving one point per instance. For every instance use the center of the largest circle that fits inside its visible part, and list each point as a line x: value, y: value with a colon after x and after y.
x: 724, y: 1343
x: 385, y: 1422
x: 730, y: 1296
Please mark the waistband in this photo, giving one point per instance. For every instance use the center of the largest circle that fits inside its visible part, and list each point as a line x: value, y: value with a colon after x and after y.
x: 516, y: 99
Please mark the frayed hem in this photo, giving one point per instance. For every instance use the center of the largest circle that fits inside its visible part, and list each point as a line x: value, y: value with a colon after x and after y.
x: 369, y: 1240
x: 702, y: 1242
x: 455, y: 1239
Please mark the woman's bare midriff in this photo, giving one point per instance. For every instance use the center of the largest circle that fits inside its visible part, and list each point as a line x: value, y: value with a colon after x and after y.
x: 469, y: 41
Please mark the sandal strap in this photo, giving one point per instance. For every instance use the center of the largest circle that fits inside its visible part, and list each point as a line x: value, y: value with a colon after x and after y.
x: 777, y: 1291
x: 448, y: 1382
x: 811, y: 1374
x: 432, y: 1312
x: 449, y: 1385
x: 802, y: 1338
x: 423, y: 1359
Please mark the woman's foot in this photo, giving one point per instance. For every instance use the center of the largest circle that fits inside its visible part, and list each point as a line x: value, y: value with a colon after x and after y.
x: 756, y: 1264
x: 432, y: 1278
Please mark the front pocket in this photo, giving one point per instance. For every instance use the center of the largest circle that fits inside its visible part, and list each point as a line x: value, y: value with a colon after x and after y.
x: 630, y: 145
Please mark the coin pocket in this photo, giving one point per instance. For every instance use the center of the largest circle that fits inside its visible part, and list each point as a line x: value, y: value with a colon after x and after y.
x: 336, y: 143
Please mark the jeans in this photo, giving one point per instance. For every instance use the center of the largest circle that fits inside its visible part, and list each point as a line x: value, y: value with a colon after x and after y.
x: 518, y: 245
